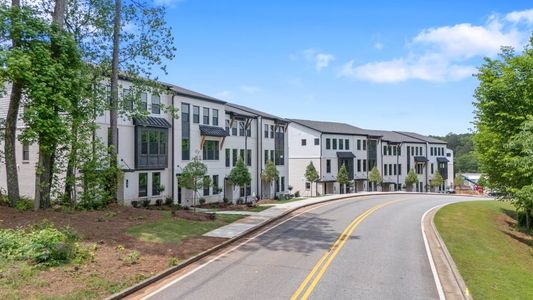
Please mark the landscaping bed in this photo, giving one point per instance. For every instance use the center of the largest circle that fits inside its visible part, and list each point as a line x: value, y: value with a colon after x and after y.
x: 221, y: 206
x: 493, y: 255
x: 120, y: 246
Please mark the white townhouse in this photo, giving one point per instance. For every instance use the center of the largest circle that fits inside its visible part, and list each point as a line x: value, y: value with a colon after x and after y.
x: 329, y: 145
x: 258, y: 137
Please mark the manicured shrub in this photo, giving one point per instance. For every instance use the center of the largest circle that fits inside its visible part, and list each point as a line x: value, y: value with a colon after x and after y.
x: 159, y: 202
x: 24, y: 204
x: 135, y: 204
x: 202, y: 201
x: 145, y: 202
x: 169, y: 201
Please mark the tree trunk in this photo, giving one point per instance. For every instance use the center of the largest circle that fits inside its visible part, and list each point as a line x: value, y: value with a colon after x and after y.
x: 113, y: 114
x: 11, y: 126
x: 528, y: 221
x: 70, y: 180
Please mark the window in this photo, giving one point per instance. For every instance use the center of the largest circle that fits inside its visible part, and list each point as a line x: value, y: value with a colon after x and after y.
x: 234, y: 129
x: 394, y: 150
x: 127, y: 98
x: 341, y: 144
x: 227, y: 126
x: 358, y: 144
x: 272, y: 156
x: 266, y: 130
x: 431, y: 151
x: 205, y: 116
x: 317, y: 142
x: 242, y: 155
x: 196, y: 114
x: 399, y: 169
x: 151, y: 147
x: 210, y: 150
x: 390, y: 169
x: 156, y: 183
x: 241, y: 128
x: 266, y: 156
x: 185, y: 132
x: 271, y: 131
x: 144, y: 101
x: 328, y: 166
x: 307, y: 186
x: 347, y: 144
x: 334, y: 144
x: 156, y: 104
x: 419, y: 168
x: 279, y: 147
x: 408, y: 148
x: 215, y: 117
x: 358, y: 165
x: 249, y: 131
x: 235, y: 156
x: 364, y: 144
x: 25, y: 151
x: 384, y: 150
x: 143, y: 184
x: 206, y: 188
x: 228, y: 157
x: 399, y: 150
x: 432, y: 168
x: 416, y: 150
x: 215, y: 185
x: 413, y: 151
x: 249, y: 157
x: 282, y: 181
x: 395, y: 169
x: 364, y: 165
x: 304, y: 142
x: 328, y: 144
x: 385, y: 170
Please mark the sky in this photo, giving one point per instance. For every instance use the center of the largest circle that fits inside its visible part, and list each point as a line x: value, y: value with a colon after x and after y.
x: 392, y: 65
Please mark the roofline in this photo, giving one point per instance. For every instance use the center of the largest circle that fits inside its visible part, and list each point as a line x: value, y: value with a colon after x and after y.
x: 424, y: 141
x: 327, y: 132
x: 246, y: 109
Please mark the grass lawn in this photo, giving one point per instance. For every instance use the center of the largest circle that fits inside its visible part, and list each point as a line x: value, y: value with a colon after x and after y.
x: 495, y: 259
x: 281, y: 201
x: 174, y: 230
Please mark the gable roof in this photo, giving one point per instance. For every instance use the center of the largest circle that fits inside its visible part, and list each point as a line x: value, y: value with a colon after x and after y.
x: 245, y: 109
x: 332, y: 127
x: 422, y: 137
x: 188, y: 93
x: 394, y: 137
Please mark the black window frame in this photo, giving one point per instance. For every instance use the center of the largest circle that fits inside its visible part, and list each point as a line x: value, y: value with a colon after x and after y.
x: 227, y: 153
x: 196, y: 114
x: 347, y: 144
x: 156, y: 187
x: 215, y: 117
x: 317, y: 141
x: 210, y: 150
x: 25, y: 151
x: 205, y: 115
x: 328, y: 144
x: 156, y: 105
x: 304, y: 142
x: 328, y: 166
x: 142, y: 192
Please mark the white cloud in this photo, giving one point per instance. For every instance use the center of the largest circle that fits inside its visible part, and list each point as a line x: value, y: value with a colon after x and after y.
x: 378, y: 46
x: 520, y: 16
x: 444, y: 53
x: 224, y: 95
x: 318, y: 58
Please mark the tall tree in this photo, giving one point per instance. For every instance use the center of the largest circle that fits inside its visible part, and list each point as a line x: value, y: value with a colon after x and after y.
x: 411, y: 179
x: 437, y: 180
x: 13, y: 111
x: 193, y: 177
x: 240, y: 176
x: 311, y: 175
x: 113, y: 111
x: 270, y: 174
x: 375, y: 177
x: 342, y: 177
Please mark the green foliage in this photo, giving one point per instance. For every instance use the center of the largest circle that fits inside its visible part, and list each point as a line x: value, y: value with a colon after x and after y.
x: 375, y: 176
x: 411, y: 179
x: 459, y: 180
x: 194, y: 176
x: 311, y: 174
x: 463, y: 150
x: 437, y: 180
x: 42, y: 244
x: 342, y: 175
x: 24, y: 204
x: 270, y: 173
x: 504, y: 123
x: 239, y: 175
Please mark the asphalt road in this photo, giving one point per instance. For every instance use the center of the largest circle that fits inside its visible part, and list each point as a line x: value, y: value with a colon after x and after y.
x: 380, y: 256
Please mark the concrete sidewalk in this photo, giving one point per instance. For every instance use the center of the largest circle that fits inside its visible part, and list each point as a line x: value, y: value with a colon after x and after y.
x: 259, y: 218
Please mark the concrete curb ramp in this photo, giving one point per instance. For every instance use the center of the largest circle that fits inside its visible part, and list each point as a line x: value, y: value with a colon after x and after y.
x: 449, y: 281
x: 241, y: 230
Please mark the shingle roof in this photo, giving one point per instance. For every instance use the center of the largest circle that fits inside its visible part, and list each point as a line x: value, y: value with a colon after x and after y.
x: 212, y: 131
x: 442, y: 159
x: 421, y: 159
x: 345, y: 154
x: 237, y: 111
x: 253, y: 111
x: 185, y: 92
x: 421, y: 137
x: 331, y: 127
x: 151, y: 122
x: 394, y: 137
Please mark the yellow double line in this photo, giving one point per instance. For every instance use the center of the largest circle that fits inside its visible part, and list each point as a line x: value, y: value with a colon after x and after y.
x: 328, y: 257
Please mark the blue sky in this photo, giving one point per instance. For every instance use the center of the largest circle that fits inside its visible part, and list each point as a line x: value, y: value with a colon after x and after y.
x: 392, y: 65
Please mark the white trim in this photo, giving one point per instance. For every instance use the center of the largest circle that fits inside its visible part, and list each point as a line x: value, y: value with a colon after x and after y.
x: 430, y: 257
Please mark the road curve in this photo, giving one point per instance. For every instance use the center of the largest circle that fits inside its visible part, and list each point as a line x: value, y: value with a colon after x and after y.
x: 381, y: 255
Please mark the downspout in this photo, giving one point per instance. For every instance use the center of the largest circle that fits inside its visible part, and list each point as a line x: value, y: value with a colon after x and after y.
x: 172, y: 159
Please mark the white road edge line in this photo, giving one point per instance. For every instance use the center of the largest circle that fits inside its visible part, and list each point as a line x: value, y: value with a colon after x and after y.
x: 234, y: 248
x: 430, y: 257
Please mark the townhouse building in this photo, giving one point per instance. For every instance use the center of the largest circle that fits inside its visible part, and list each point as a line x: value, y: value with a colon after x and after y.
x: 329, y: 145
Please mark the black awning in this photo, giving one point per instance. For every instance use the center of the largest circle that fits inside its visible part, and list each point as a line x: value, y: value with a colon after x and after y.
x: 151, y: 122
x: 420, y: 159
x: 212, y: 131
x: 346, y: 154
x: 442, y: 159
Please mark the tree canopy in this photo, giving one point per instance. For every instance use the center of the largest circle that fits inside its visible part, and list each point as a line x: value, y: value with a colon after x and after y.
x: 411, y: 179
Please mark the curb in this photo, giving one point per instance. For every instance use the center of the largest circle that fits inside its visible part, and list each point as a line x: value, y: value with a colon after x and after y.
x: 453, y: 283
x: 256, y: 228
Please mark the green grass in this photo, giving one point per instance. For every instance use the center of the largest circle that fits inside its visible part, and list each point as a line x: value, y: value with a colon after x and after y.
x: 493, y: 264
x: 174, y: 230
x: 259, y: 208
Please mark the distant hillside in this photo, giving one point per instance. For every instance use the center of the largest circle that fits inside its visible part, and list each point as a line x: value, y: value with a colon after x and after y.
x: 463, y: 148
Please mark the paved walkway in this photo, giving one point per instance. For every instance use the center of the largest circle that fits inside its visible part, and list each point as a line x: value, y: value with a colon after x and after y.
x: 258, y: 218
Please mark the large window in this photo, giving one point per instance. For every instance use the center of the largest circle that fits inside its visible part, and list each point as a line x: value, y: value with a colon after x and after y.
x: 215, y: 117
x: 328, y: 144
x: 228, y: 157
x: 271, y: 131
x: 144, y: 101
x: 241, y: 128
x: 266, y: 130
x: 358, y: 165
x: 196, y: 114
x: 206, y: 188
x: 210, y: 151
x: 249, y: 157
x: 334, y: 144
x: 364, y: 145
x: 156, y: 183
x: 143, y: 184
x: 215, y: 185
x: 156, y: 104
x: 227, y: 126
x: 358, y: 144
x: 25, y: 151
x: 151, y: 148
x: 347, y: 144
x: 279, y: 146
x: 235, y: 157
x: 328, y: 166
x: 185, y: 132
x: 206, y: 116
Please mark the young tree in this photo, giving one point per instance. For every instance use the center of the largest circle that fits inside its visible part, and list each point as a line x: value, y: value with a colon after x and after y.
x: 270, y: 174
x: 458, y: 181
x: 240, y: 176
x: 437, y: 180
x: 311, y: 175
x: 375, y: 177
x: 194, y: 177
x: 411, y: 179
x: 342, y: 176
